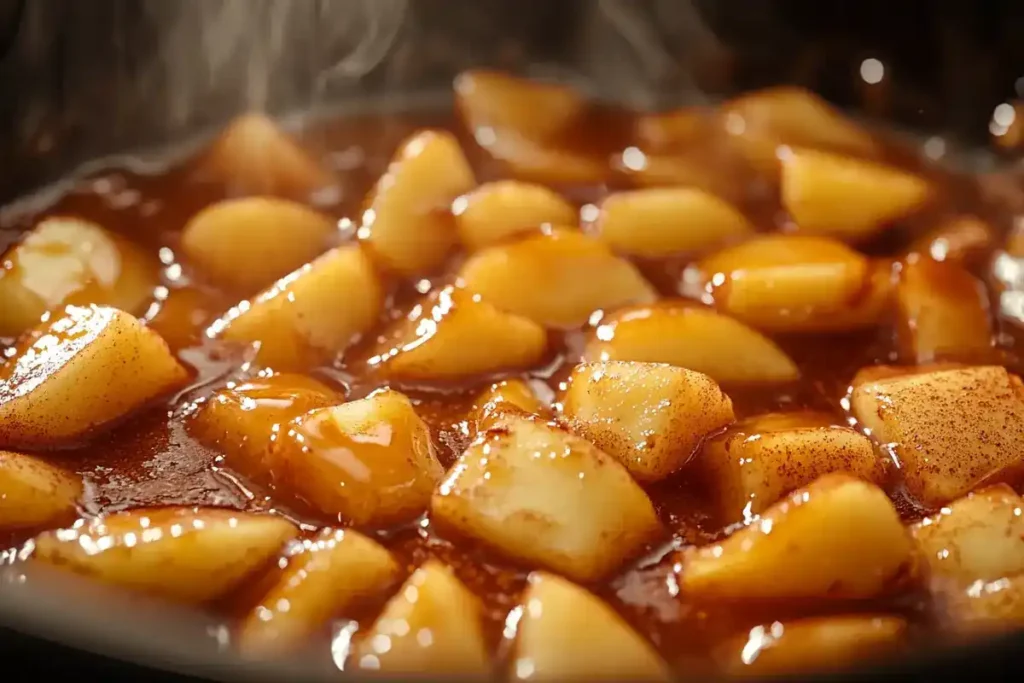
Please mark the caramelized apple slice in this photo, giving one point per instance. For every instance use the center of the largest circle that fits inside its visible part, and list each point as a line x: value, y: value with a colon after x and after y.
x: 253, y: 155
x: 815, y: 644
x: 985, y: 607
x: 497, y: 211
x: 369, y: 461
x: 311, y: 314
x: 244, y: 420
x: 85, y: 368
x: 71, y: 261
x: 432, y: 626
x: 542, y: 495
x: 246, y: 244
x: 837, y: 538
x: 188, y: 554
x: 669, y: 220
x: 497, y: 101
x: 950, y: 430
x: 651, y: 417
x: 566, y: 633
x: 699, y: 339
x: 408, y: 226
x: 512, y: 393
x: 836, y: 196
x: 34, y: 492
x: 757, y: 461
x: 453, y: 334
x: 943, y: 312
x: 550, y: 278
x: 323, y: 579
x: 960, y: 238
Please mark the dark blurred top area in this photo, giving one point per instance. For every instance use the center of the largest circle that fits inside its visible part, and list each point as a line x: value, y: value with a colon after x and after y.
x: 86, y: 78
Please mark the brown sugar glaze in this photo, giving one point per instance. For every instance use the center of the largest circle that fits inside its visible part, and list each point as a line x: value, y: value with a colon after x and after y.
x: 151, y: 459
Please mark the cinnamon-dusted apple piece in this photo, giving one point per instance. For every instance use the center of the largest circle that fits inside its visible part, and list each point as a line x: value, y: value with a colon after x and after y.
x: 311, y: 314
x: 81, y: 369
x: 651, y: 417
x: 849, y: 199
x: 837, y: 538
x: 368, y: 462
x: 322, y: 579
x: 692, y: 337
x: 950, y: 430
x: 452, y: 333
x: 407, y: 225
x: 655, y: 222
x: 567, y: 633
x: 189, y: 554
x: 542, y: 495
x: 943, y: 312
x: 497, y: 211
x: 431, y: 626
x: 255, y: 156
x: 67, y: 260
x: 814, y: 644
x: 756, y: 461
x: 246, y: 244
x: 509, y: 393
x: 33, y: 492
x: 550, y: 278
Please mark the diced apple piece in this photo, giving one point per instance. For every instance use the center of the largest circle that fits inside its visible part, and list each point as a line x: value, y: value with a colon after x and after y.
x: 542, y: 495
x: 83, y: 369
x: 960, y: 238
x: 762, y: 121
x: 985, y: 607
x: 189, y: 554
x: 668, y: 220
x: 244, y: 420
x: 248, y: 243
x: 311, y: 314
x: 816, y: 644
x: 876, y: 373
x: 950, y: 430
x: 34, y: 492
x: 369, y: 462
x: 408, y: 225
x: 527, y: 159
x: 497, y: 211
x: 943, y: 311
x: 453, y: 334
x: 499, y: 396
x: 759, y: 460
x: 566, y: 633
x: 328, y: 575
x: 675, y: 129
x: 789, y: 283
x: 550, y: 278
x: 651, y: 417
x: 71, y: 261
x: 432, y: 626
x: 699, y: 339
x: 710, y: 164
x: 253, y: 155
x: 534, y: 110
x: 850, y: 199
x: 977, y: 538
x: 837, y: 538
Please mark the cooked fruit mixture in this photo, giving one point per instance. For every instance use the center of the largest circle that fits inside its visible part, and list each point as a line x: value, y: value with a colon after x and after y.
x: 550, y: 390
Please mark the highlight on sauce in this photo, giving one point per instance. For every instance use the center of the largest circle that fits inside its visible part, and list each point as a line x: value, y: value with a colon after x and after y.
x: 546, y: 389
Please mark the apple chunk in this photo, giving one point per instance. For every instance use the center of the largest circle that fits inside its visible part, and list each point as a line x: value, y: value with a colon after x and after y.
x: 432, y: 626
x: 500, y: 396
x: 80, y: 370
x: 311, y: 314
x: 542, y: 495
x: 651, y: 417
x: 328, y: 574
x: 34, y: 492
x: 369, y: 462
x: 452, y: 334
x: 497, y: 211
x: 837, y: 538
x: 566, y: 633
x: 535, y: 110
x: 189, y: 554
x: 950, y: 430
x: 757, y: 461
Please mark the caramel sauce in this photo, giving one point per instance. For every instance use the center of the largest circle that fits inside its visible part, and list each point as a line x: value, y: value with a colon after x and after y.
x: 152, y: 459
